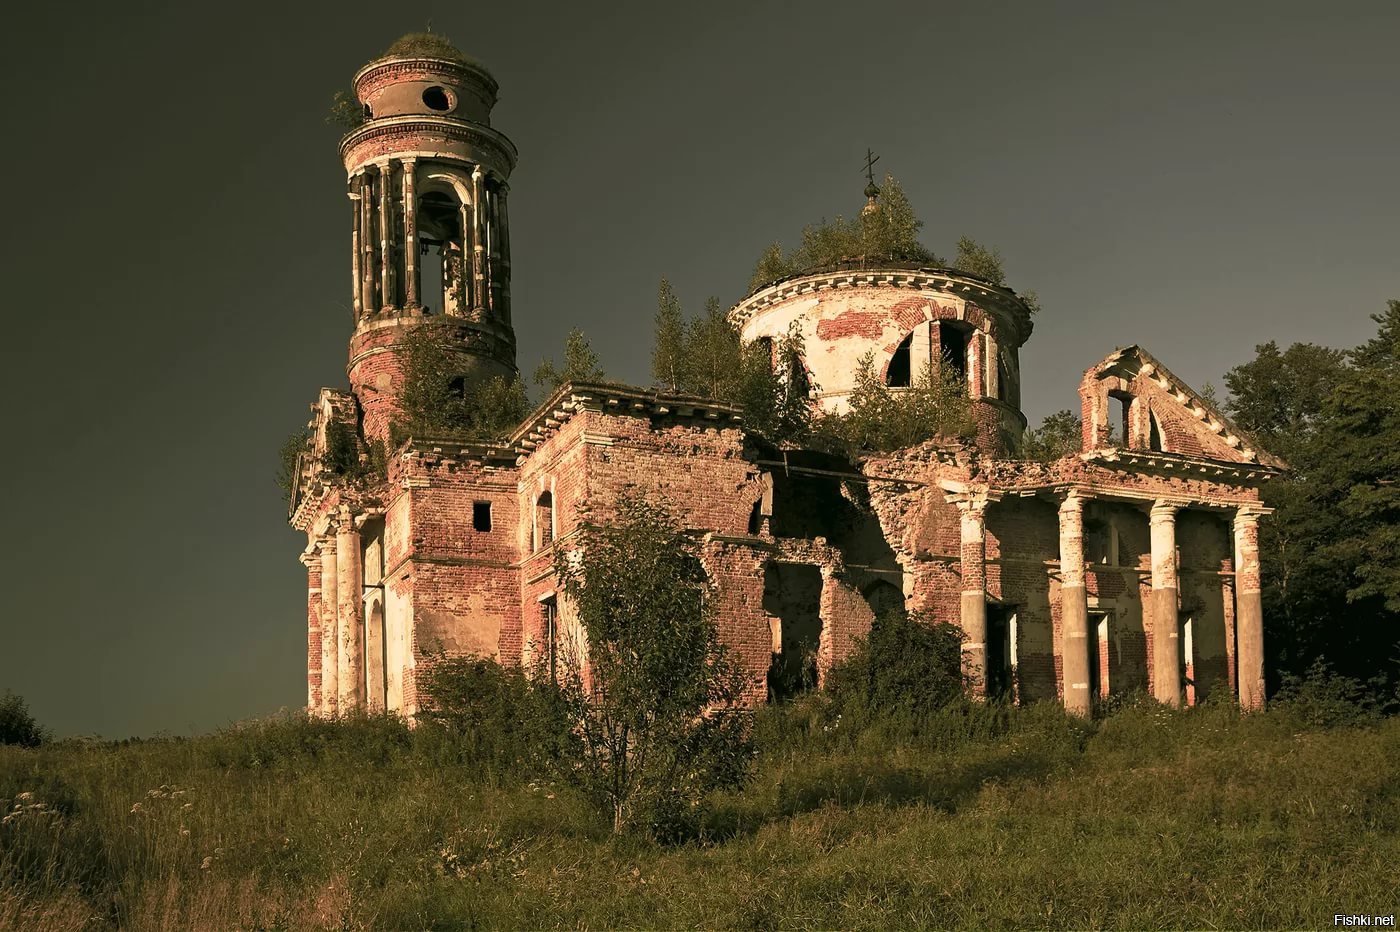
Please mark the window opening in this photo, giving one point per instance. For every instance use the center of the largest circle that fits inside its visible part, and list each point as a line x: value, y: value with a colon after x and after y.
x: 436, y: 98
x: 952, y: 345
x: 440, y: 249
x: 1154, y: 438
x: 792, y: 596
x: 549, y: 610
x: 1119, y: 420
x: 481, y: 516
x: 897, y: 374
x: 544, y: 521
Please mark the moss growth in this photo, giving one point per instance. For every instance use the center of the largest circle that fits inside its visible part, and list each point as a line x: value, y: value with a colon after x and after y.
x: 426, y: 45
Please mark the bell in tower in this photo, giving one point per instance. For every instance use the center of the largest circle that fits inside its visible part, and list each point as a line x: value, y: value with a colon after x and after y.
x: 429, y: 235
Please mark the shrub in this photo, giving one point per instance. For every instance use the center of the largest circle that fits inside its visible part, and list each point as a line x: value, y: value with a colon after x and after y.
x: 1323, y: 698
x: 17, y: 725
x: 908, y: 666
x: 654, y: 700
x: 880, y: 420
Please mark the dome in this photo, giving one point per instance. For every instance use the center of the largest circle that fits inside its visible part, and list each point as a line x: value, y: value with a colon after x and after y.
x: 427, y: 45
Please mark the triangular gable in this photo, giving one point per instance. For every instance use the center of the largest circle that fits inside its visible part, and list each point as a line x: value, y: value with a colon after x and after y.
x: 1165, y: 414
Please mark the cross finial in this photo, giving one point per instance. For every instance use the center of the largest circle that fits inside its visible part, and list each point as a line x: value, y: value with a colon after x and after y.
x: 430, y: 26
x: 872, y: 190
x: 870, y: 159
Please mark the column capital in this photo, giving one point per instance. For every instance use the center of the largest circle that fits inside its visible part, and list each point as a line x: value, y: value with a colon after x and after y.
x: 477, y: 172
x: 1074, y: 500
x: 1250, y: 514
x: 1165, y: 509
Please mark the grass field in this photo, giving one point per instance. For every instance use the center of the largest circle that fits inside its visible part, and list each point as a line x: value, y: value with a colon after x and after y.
x: 976, y: 818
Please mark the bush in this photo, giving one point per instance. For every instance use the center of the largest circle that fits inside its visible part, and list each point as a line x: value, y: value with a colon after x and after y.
x: 491, y: 715
x: 880, y: 420
x: 1325, y: 699
x: 17, y: 725
x: 908, y: 666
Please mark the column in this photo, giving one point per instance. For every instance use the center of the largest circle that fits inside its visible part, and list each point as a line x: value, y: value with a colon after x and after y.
x: 350, y: 614
x: 355, y: 282
x: 368, y: 302
x: 330, y: 628
x: 311, y: 559
x: 386, y: 241
x: 478, y: 256
x: 503, y: 234
x: 410, y: 233
x: 1074, y: 607
x: 493, y: 251
x: 465, y: 284
x: 972, y: 512
x: 1249, y: 610
x: 1166, y: 637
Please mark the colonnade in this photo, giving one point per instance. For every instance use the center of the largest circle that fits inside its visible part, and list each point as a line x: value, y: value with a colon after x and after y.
x: 336, y: 613
x: 1162, y: 607
x: 386, y: 271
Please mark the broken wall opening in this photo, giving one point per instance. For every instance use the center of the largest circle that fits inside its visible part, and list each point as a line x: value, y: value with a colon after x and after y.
x: 898, y: 373
x: 792, y: 594
x: 952, y: 347
x: 1000, y: 670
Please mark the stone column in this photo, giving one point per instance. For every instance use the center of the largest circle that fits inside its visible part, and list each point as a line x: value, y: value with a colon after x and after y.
x: 311, y: 559
x: 350, y: 613
x: 493, y: 251
x: 478, y: 256
x: 330, y: 629
x: 368, y: 302
x: 410, y: 233
x: 1074, y: 607
x: 465, y: 284
x: 1249, y: 610
x: 972, y: 511
x: 1166, y: 637
x: 386, y: 240
x: 355, y: 281
x: 503, y: 312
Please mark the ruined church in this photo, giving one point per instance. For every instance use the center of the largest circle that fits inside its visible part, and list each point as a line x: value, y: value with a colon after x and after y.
x: 1129, y: 565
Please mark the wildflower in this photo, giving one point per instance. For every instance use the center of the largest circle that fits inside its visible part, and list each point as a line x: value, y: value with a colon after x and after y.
x: 184, y: 832
x: 135, y: 808
x: 206, y: 863
x: 24, y: 798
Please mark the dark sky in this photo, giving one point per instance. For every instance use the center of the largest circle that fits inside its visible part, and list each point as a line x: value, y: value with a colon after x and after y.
x: 1196, y: 177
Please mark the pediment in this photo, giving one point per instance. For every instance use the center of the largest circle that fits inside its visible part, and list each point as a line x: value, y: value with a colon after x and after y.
x: 1166, y: 415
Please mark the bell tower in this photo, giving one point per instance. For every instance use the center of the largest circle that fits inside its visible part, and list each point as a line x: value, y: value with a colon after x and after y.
x: 426, y: 177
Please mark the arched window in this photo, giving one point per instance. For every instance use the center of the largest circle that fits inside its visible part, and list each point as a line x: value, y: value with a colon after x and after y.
x: 544, y: 520
x: 1154, y: 433
x: 898, y: 373
x: 442, y: 272
x: 952, y: 347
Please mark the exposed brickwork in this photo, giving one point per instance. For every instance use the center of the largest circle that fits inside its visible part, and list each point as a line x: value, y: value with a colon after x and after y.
x: 803, y: 548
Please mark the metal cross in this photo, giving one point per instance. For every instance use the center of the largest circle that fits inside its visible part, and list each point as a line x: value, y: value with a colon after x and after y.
x: 870, y: 159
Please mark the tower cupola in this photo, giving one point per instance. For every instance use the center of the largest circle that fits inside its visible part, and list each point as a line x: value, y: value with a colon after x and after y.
x: 427, y: 180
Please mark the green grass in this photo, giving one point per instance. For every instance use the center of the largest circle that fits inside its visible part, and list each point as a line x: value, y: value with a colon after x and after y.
x: 981, y: 818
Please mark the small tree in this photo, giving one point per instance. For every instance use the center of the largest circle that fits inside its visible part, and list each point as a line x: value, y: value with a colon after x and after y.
x: 653, y: 703
x: 880, y: 420
x: 772, y: 265
x: 17, y: 725
x: 580, y: 364
x: 439, y: 397
x: 976, y: 259
x: 287, y: 477
x: 1058, y: 435
x: 908, y: 665
x: 668, y: 356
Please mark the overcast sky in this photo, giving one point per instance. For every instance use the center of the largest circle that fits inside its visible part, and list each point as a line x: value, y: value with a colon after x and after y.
x: 1194, y: 177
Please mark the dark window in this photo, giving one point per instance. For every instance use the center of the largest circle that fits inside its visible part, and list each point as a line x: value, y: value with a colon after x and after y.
x: 898, y: 372
x: 1119, y: 419
x: 549, y: 610
x: 481, y: 516
x: 544, y: 521
x: 1154, y: 439
x: 436, y: 98
x: 952, y: 345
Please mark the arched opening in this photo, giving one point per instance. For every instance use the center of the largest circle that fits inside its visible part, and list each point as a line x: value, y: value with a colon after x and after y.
x: 883, y: 597
x: 953, y: 338
x: 1120, y: 409
x: 441, y: 287
x: 544, y: 520
x: 1154, y: 434
x: 898, y: 374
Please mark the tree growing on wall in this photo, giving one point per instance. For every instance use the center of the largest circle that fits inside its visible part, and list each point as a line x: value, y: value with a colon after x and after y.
x: 1058, y: 435
x: 649, y: 689
x: 580, y: 364
x: 668, y: 358
x: 439, y: 398
x: 879, y: 419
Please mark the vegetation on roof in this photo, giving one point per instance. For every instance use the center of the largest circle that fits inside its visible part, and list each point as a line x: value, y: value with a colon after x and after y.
x: 885, y: 232
x: 428, y: 45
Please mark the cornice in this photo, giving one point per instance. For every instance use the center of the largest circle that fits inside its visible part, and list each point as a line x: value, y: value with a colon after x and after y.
x: 481, y: 137
x: 945, y: 281
x: 396, y: 64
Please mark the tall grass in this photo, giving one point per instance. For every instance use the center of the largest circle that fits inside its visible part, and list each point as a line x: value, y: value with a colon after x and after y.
x: 973, y: 816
